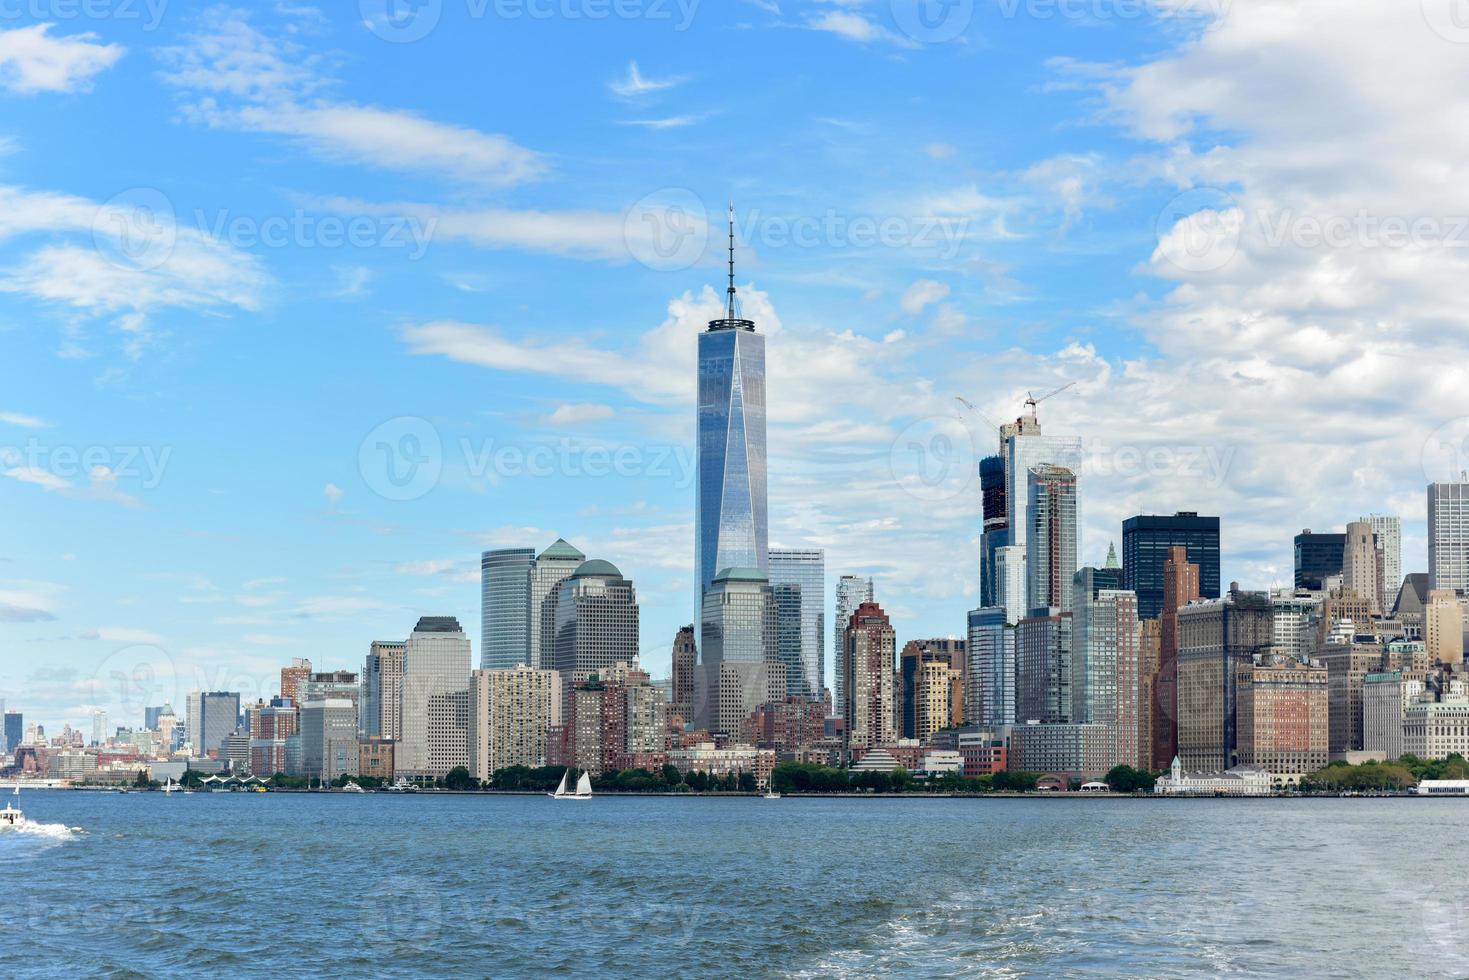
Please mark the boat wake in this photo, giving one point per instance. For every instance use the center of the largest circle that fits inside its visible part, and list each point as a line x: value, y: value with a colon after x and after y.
x: 52, y: 831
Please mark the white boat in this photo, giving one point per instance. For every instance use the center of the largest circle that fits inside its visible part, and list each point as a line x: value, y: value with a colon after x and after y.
x: 583, y: 789
x: 353, y: 788
x: 169, y: 787
x: 771, y: 794
x: 10, y: 817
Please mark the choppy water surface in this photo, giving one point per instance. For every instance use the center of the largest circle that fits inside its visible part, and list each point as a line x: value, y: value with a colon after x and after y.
x: 310, y: 885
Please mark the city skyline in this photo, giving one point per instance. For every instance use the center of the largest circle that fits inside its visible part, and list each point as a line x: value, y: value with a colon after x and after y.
x: 232, y: 522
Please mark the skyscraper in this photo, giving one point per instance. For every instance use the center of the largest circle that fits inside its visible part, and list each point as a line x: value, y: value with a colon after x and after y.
x: 382, y: 690
x: 596, y: 622
x: 871, y: 685
x: 504, y: 632
x: 799, y: 580
x: 213, y: 717
x: 1146, y: 539
x: 731, y: 529
x: 685, y: 661
x: 1443, y: 627
x: 996, y: 533
x: 1359, y: 567
x: 15, y: 730
x: 1010, y: 583
x: 510, y: 714
x: 435, y: 714
x: 1043, y: 668
x: 1051, y: 546
x: 1389, y: 532
x: 328, y: 738
x: 1318, y: 557
x: 931, y: 675
x: 739, y: 655
x: 1214, y: 639
x: 291, y: 679
x: 1106, y: 660
x: 991, y: 696
x: 852, y: 591
x: 1024, y: 448
x: 551, y: 567
x: 1180, y: 587
x: 1448, y: 536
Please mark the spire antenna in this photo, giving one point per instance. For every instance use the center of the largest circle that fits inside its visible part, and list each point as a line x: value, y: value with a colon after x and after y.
x: 731, y: 313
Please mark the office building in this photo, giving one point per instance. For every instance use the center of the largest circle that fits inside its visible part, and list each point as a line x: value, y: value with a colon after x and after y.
x: 799, y: 580
x: 1318, y: 558
x: 852, y: 591
x: 213, y: 716
x: 1106, y: 661
x: 1443, y: 627
x: 511, y: 713
x: 1146, y: 541
x: 870, y: 649
x: 435, y: 712
x: 1043, y: 668
x: 382, y: 690
x: 1387, y: 530
x: 931, y: 676
x: 1051, y: 543
x: 990, y: 701
x: 731, y: 523
x: 1348, y: 660
x: 1448, y: 536
x: 552, y: 567
x: 1010, y: 583
x: 504, y: 629
x: 331, y: 686
x: 1385, y: 698
x: 996, y: 529
x: 1436, y: 729
x: 1180, y: 587
x: 1024, y: 449
x: 270, y: 727
x: 291, y: 679
x: 740, y: 666
x: 596, y: 622
x: 328, y: 738
x: 685, y: 663
x: 1282, y: 717
x: 1291, y: 619
x: 1216, y: 637
x: 1360, y: 570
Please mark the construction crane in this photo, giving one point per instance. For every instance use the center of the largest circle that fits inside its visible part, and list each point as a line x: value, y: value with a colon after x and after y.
x: 1031, y: 401
x: 967, y: 405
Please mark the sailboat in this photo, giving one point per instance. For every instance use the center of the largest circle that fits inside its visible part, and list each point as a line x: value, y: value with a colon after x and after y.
x: 169, y: 787
x: 583, y: 788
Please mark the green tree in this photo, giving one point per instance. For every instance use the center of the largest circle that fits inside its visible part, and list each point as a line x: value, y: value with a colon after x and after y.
x: 143, y: 782
x: 747, y: 782
x: 1126, y: 779
x: 459, y: 779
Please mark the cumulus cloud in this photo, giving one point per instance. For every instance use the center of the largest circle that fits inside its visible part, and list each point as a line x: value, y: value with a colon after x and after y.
x: 32, y: 60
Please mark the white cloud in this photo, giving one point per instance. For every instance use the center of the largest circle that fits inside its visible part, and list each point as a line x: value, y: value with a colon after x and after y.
x: 635, y: 83
x: 122, y: 634
x: 236, y: 77
x: 856, y: 27
x: 578, y: 414
x: 32, y: 60
x: 44, y: 479
x: 333, y: 494
x: 28, y: 602
x: 923, y: 293
x: 23, y: 421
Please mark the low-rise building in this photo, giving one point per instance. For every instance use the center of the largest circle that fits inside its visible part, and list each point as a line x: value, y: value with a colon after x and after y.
x: 1078, y: 750
x: 1239, y: 781
x: 1435, y: 729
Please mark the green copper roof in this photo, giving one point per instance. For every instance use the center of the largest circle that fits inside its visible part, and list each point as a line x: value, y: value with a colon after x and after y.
x: 597, y: 568
x: 562, y: 550
x: 1112, y: 555
x: 741, y: 575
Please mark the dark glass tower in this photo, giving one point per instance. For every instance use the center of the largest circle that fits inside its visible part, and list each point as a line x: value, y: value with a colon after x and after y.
x: 732, y: 524
x: 1145, y: 543
x: 1318, y: 556
x: 996, y: 533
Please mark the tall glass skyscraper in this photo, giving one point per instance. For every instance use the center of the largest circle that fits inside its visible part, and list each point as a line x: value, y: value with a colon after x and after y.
x: 504, y: 577
x: 799, y: 580
x: 852, y: 591
x: 731, y: 529
x: 1146, y: 539
x: 1448, y: 536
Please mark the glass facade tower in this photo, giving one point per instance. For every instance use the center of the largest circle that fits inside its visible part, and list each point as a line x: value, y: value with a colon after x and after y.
x: 504, y: 599
x: 1146, y: 539
x: 799, y: 579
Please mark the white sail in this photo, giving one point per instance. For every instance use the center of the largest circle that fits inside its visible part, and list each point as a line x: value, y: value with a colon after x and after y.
x: 584, y: 785
x: 561, y: 790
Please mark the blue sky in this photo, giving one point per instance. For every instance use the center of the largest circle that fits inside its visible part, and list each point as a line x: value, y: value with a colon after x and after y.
x: 242, y: 250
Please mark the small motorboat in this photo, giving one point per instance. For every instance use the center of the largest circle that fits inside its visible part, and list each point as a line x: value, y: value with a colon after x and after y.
x: 10, y: 817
